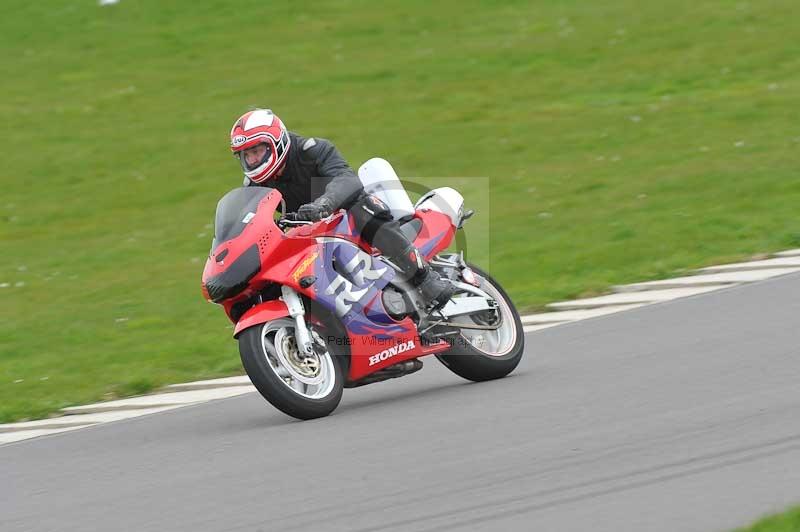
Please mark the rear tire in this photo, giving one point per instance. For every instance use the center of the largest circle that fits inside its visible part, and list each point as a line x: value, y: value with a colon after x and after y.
x: 269, y: 357
x: 473, y: 360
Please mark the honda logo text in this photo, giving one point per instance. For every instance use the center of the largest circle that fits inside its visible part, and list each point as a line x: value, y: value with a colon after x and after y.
x: 392, y: 351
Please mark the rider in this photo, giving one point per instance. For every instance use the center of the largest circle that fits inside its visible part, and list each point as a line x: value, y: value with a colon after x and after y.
x: 315, y: 181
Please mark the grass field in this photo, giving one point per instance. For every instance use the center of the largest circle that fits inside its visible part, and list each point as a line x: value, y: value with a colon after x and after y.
x: 788, y: 521
x: 623, y: 141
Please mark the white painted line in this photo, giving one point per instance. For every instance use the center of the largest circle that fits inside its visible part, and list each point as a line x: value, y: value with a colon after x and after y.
x: 117, y: 415
x: 782, y: 262
x: 573, y: 315
x: 83, y: 420
x: 532, y: 319
x: 42, y: 424
x: 12, y: 432
x: 242, y: 380
x: 707, y: 280
x: 531, y: 328
x: 789, y: 253
x: 9, y: 437
x: 159, y: 400
x: 649, y: 296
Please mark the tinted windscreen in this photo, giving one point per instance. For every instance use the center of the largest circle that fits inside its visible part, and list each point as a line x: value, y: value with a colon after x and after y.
x: 234, y: 212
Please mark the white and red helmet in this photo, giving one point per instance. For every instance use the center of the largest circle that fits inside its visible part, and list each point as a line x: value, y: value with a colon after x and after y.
x: 260, y: 126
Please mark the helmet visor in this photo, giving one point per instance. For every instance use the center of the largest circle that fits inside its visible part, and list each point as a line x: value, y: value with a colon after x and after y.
x: 255, y: 156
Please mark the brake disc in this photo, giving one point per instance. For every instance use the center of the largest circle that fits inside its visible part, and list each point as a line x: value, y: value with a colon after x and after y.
x: 306, y: 369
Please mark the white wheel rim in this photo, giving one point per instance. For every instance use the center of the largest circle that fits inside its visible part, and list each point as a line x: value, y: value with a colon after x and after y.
x: 312, y: 378
x: 497, y: 342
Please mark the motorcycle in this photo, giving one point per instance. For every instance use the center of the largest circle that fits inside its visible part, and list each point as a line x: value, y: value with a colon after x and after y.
x: 316, y: 309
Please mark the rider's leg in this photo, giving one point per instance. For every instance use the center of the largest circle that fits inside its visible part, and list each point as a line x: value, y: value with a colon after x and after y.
x: 376, y: 225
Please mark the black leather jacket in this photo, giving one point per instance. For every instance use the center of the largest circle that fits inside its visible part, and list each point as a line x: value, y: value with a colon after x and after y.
x: 314, y: 167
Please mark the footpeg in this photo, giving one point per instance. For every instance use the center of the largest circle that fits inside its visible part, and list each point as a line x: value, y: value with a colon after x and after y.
x: 437, y: 335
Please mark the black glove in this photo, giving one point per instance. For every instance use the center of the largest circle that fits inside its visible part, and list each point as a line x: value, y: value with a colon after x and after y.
x: 317, y: 210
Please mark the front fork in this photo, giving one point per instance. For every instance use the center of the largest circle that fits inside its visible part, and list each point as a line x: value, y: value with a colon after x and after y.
x: 297, y: 312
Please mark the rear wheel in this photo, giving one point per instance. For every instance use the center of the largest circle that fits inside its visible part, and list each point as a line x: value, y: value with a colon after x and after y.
x: 305, y: 387
x: 495, y: 347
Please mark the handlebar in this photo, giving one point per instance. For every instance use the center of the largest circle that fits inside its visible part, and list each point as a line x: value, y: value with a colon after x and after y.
x: 290, y: 219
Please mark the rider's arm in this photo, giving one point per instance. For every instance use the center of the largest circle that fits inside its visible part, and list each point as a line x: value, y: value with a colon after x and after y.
x: 342, y: 186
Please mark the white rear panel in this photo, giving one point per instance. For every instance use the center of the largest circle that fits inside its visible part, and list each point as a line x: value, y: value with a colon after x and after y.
x: 445, y: 200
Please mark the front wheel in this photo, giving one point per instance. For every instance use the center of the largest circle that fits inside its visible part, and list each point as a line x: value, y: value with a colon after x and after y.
x: 495, y: 347
x: 305, y: 387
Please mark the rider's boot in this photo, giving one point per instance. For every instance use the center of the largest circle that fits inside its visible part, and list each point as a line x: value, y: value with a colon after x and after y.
x: 435, y: 291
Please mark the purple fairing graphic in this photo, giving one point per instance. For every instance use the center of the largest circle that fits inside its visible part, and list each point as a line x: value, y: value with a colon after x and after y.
x: 427, y: 247
x: 345, y: 228
x: 349, y: 282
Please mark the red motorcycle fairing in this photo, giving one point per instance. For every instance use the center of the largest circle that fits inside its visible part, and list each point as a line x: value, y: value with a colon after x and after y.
x: 261, y: 313
x: 368, y: 355
x: 436, y: 233
x: 220, y: 279
x: 375, y: 340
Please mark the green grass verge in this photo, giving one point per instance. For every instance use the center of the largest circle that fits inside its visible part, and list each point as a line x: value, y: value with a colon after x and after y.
x: 788, y: 521
x: 623, y: 140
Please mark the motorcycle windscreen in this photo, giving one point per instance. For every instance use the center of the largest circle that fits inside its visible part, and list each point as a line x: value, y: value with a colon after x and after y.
x: 234, y: 212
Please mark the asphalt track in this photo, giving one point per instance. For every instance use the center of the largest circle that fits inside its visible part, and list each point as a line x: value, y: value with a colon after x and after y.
x: 677, y: 416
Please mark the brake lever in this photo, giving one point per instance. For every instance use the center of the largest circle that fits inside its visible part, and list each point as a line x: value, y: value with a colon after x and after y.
x: 290, y: 220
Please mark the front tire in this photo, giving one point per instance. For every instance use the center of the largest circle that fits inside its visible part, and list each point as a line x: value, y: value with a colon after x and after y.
x: 479, y: 355
x: 304, y: 388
